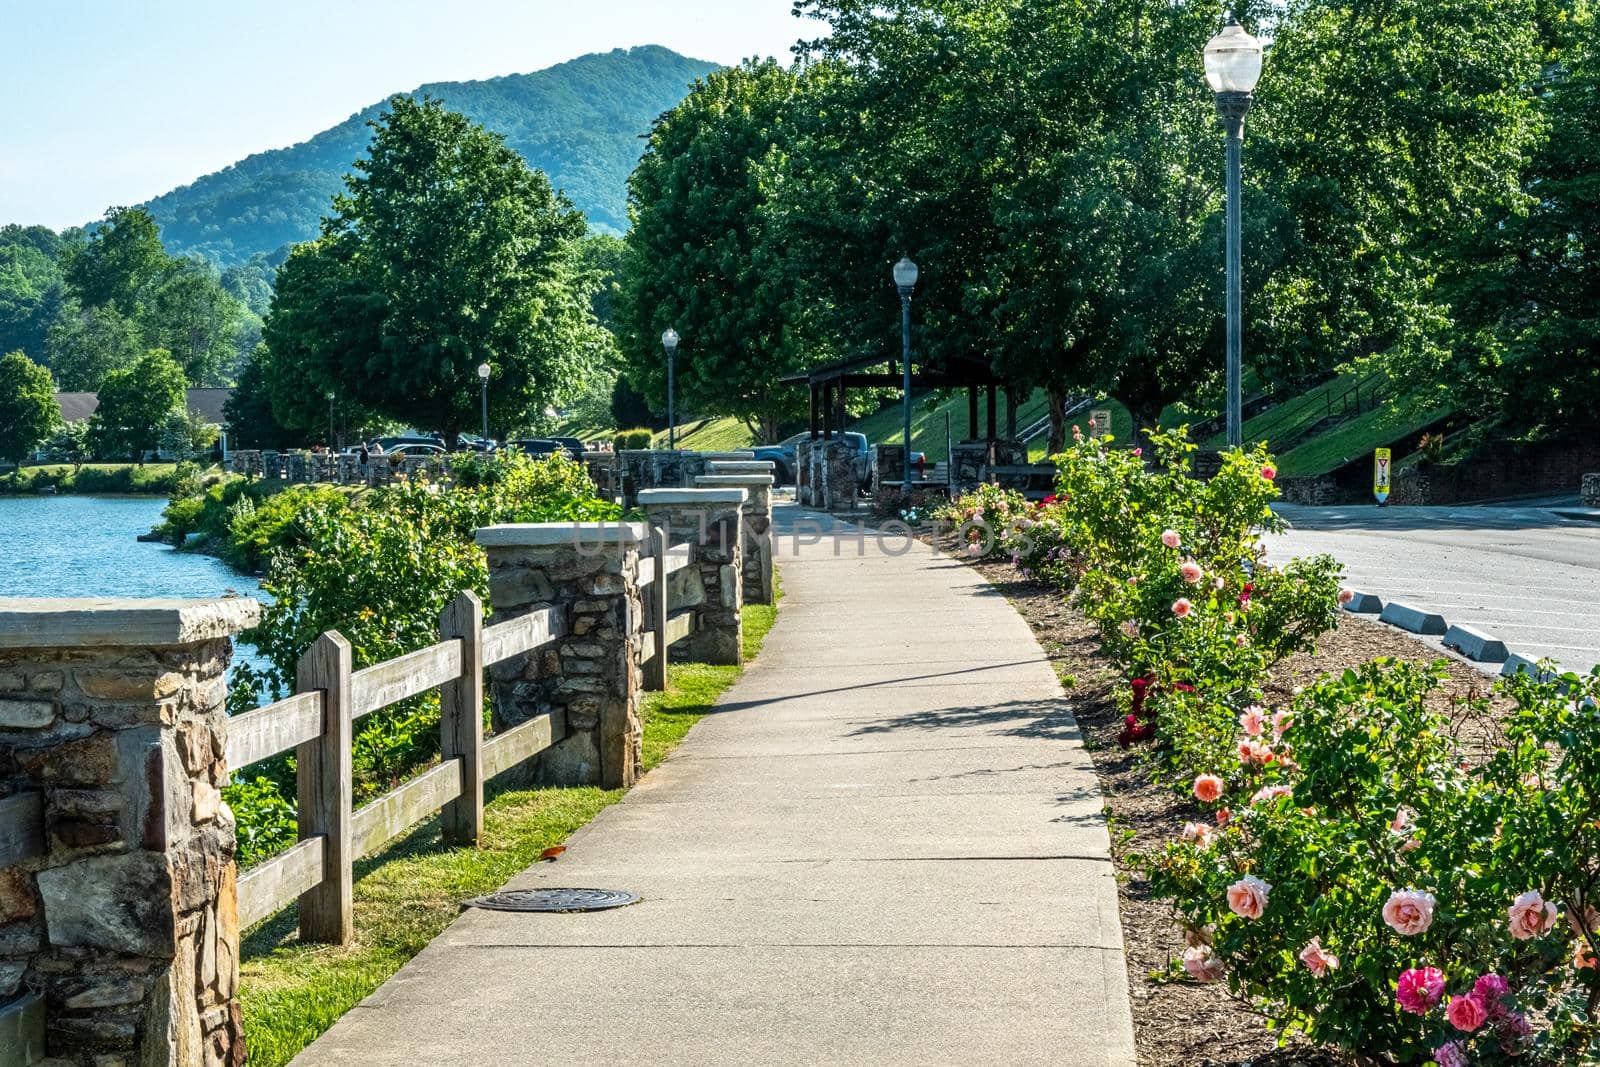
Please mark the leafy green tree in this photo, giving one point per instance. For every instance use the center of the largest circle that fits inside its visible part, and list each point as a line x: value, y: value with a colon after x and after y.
x: 31, y: 287
x: 28, y: 407
x: 445, y: 252
x: 122, y: 257
x: 194, y: 318
x: 87, y: 343
x: 700, y: 258
x: 249, y: 412
x: 185, y: 436
x: 69, y: 444
x: 134, y: 406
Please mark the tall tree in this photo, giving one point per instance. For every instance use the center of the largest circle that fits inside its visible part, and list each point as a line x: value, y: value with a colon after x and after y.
x: 195, y: 319
x: 86, y: 343
x: 699, y: 257
x: 28, y: 407
x: 135, y: 403
x: 445, y: 251
x: 122, y: 257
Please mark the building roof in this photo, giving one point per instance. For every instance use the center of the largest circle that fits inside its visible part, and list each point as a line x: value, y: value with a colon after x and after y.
x: 205, y: 403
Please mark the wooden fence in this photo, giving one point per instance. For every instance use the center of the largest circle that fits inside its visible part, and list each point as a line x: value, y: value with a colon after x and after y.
x: 318, y: 724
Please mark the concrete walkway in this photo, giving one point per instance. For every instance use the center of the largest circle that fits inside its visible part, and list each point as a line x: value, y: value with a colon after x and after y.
x: 886, y: 847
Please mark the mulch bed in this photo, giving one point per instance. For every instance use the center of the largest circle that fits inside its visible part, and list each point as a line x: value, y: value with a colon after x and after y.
x: 1178, y: 1023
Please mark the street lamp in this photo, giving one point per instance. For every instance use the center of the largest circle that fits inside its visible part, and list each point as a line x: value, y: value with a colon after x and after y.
x: 905, y: 279
x: 1233, y: 66
x: 669, y: 341
x: 331, y: 447
x: 483, y: 377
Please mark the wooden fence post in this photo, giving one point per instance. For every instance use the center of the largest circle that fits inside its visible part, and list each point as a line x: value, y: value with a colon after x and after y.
x: 655, y: 671
x: 461, y: 720
x: 324, y: 773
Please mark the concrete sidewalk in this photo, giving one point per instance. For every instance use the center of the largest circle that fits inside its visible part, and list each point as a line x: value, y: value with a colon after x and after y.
x: 885, y: 848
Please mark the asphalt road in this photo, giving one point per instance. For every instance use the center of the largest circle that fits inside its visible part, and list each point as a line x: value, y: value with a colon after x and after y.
x: 1525, y: 574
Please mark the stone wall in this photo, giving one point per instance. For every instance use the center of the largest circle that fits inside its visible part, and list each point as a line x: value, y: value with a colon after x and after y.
x: 757, y: 519
x: 1591, y: 490
x: 588, y: 572
x: 111, y: 711
x: 712, y: 520
x: 1501, y: 469
x: 971, y: 462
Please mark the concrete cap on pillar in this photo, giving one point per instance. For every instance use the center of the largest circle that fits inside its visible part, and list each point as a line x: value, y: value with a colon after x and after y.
x: 667, y: 497
x: 49, y: 622
x: 741, y: 466
x: 710, y: 481
x: 585, y: 535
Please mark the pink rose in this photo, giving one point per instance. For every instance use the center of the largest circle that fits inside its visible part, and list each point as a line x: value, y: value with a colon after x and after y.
x: 1138, y: 452
x: 1466, y: 1013
x: 1224, y: 817
x: 1583, y: 956
x: 1419, y: 989
x: 1346, y: 596
x: 1253, y: 720
x: 1197, y: 833
x: 1202, y: 964
x: 1268, y: 793
x: 1516, y: 1034
x: 1451, y: 1054
x: 1170, y: 538
x: 1269, y: 472
x: 1402, y: 820
x: 1182, y: 608
x: 1531, y: 915
x: 1281, y: 721
x: 1492, y: 990
x: 1208, y: 788
x: 1247, y: 898
x: 1191, y: 572
x: 1255, y: 752
x: 1241, y: 640
x: 1409, y: 911
x: 1318, y: 960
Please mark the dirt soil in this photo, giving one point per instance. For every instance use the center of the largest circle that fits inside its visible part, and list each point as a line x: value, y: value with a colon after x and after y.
x: 1178, y: 1023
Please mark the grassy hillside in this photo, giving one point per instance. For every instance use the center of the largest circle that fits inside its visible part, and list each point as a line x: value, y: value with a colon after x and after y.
x: 579, y: 122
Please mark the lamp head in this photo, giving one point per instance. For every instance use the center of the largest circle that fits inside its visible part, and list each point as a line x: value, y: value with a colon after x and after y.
x: 669, y: 340
x: 483, y: 371
x: 906, y: 273
x: 1233, y: 60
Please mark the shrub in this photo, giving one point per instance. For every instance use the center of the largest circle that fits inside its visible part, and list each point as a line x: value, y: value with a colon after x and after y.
x: 638, y: 437
x: 1376, y: 854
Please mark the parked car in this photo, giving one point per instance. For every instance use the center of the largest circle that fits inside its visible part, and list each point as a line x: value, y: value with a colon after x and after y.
x: 413, y: 448
x: 784, y: 457
x: 391, y: 443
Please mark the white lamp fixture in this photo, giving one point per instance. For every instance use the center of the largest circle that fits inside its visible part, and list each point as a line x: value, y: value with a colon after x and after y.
x: 1233, y: 60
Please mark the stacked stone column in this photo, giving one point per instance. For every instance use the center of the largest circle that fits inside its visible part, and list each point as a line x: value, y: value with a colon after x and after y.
x: 757, y: 520
x: 588, y: 572
x: 711, y: 520
x: 111, y: 713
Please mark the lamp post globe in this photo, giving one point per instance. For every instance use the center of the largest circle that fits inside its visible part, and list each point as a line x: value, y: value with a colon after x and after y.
x: 1233, y: 60
x: 332, y: 447
x: 484, y: 371
x: 669, y: 341
x: 905, y: 280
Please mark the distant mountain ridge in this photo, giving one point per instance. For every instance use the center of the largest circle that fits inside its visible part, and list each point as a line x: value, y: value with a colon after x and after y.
x: 581, y: 122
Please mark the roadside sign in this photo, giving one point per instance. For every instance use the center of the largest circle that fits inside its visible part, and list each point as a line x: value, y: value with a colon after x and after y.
x: 1381, y: 473
x: 1100, y: 423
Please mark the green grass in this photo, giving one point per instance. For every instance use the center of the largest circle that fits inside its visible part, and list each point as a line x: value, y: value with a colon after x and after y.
x: 710, y: 435
x: 410, y: 891
x: 1356, y: 438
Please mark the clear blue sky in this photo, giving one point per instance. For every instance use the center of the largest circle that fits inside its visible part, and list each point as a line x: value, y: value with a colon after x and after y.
x: 115, y: 101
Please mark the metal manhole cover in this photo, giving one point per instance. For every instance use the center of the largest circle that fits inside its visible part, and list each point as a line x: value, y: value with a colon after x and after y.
x: 555, y: 900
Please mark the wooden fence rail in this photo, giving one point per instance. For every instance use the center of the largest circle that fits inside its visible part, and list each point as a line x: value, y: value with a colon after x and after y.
x: 317, y: 724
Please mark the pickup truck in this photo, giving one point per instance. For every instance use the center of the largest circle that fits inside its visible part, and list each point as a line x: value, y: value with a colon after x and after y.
x: 785, y: 462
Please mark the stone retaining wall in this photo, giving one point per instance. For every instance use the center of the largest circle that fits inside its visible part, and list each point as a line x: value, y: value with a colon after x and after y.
x: 712, y: 520
x: 111, y: 712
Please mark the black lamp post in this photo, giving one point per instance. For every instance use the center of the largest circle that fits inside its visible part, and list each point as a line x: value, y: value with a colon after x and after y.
x: 669, y: 341
x: 331, y: 446
x: 905, y: 279
x: 1233, y: 67
x: 483, y: 377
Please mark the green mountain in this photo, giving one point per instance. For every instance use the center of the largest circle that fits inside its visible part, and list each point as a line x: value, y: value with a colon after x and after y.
x: 580, y: 122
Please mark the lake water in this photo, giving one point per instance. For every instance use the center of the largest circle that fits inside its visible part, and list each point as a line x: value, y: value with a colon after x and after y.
x: 86, y: 546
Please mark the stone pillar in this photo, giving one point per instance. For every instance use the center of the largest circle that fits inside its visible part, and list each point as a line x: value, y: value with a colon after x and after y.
x: 757, y: 520
x: 602, y: 468
x: 839, y: 477
x: 888, y: 465
x: 638, y: 473
x: 711, y: 520
x: 967, y: 461
x: 804, y: 483
x: 125, y: 916
x: 588, y: 572
x: 1591, y: 490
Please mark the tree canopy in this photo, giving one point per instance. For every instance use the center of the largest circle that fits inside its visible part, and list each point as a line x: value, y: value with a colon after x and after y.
x: 28, y: 408
x: 135, y: 404
x: 445, y: 252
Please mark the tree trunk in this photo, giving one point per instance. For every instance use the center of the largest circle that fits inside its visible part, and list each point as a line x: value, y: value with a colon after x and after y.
x: 1058, y: 418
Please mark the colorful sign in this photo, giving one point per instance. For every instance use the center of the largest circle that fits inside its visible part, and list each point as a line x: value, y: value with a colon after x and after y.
x: 1381, y: 475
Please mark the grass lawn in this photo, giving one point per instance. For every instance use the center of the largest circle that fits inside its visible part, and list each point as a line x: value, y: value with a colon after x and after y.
x: 710, y: 435
x: 1356, y: 438
x: 409, y: 892
x: 155, y: 479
